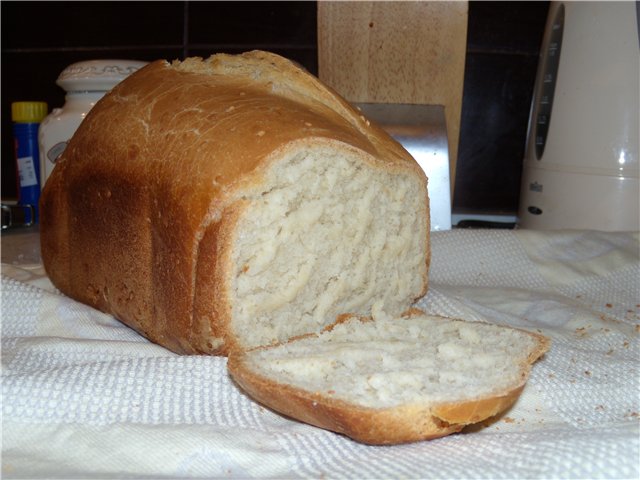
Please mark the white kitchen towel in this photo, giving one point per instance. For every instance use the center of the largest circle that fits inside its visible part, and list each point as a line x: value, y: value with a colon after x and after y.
x: 85, y: 397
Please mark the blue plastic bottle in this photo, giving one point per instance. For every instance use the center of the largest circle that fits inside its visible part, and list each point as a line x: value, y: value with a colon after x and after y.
x: 26, y: 118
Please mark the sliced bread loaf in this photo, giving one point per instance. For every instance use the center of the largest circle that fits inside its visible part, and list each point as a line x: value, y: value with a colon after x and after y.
x: 221, y: 206
x: 233, y: 202
x: 392, y: 380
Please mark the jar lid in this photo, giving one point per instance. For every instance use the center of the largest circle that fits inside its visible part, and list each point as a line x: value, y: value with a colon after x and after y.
x: 28, y: 112
x: 97, y: 75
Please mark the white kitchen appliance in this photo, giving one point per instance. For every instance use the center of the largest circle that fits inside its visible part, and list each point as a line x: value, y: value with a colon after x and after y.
x: 581, y: 167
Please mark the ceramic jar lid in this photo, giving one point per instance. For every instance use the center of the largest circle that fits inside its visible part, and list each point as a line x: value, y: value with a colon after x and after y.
x: 96, y: 75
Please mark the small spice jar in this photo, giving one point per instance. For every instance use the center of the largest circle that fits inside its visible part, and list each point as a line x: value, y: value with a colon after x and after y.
x: 85, y: 83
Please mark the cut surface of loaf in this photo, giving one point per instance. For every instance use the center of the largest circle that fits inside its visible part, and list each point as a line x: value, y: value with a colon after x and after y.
x: 326, y: 236
x: 393, y: 380
x: 233, y: 202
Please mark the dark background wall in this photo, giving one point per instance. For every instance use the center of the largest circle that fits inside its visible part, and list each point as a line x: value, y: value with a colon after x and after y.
x: 503, y: 42
x: 39, y: 39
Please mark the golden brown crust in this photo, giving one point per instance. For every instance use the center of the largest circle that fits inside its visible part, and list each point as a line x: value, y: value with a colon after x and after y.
x: 466, y: 413
x: 147, y: 188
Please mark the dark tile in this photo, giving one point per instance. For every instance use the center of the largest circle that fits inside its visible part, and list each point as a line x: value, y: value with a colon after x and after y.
x: 506, y: 26
x: 495, y: 112
x: 9, y: 187
x: 28, y: 25
x: 255, y: 24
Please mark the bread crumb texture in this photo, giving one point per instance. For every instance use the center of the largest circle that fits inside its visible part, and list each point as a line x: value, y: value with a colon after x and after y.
x: 326, y: 235
x: 417, y: 360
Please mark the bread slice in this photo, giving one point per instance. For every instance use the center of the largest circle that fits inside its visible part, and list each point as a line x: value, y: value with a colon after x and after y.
x: 233, y: 202
x: 392, y: 380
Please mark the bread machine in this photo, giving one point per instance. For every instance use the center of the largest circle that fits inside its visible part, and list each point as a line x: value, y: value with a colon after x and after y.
x: 581, y: 161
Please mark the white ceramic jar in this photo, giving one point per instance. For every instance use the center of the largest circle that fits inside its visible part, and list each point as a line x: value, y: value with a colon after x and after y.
x: 85, y: 83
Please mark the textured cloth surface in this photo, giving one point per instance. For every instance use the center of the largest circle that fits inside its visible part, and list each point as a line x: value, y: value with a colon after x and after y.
x: 85, y: 397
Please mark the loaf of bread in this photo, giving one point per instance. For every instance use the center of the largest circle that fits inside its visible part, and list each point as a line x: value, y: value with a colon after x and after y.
x: 392, y: 380
x: 237, y: 206
x: 234, y: 202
